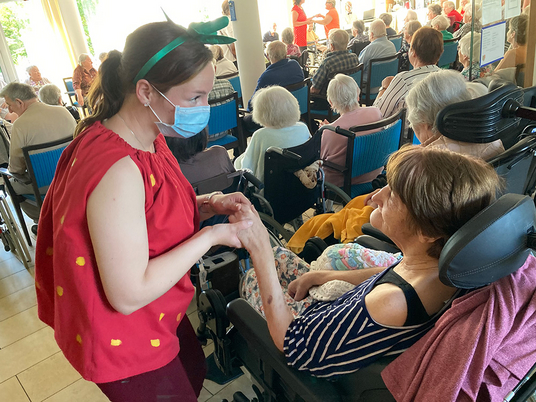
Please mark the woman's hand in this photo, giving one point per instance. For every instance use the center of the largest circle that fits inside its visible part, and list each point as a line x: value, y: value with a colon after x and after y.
x: 298, y: 289
x: 255, y: 239
x: 323, y: 123
x: 226, y: 234
x: 218, y: 203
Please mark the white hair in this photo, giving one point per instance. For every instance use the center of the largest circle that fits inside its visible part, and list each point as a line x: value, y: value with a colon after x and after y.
x: 343, y: 93
x: 468, y: 9
x: 29, y: 68
x: 275, y: 107
x: 450, y: 4
x: 82, y: 58
x: 50, y: 94
x: 426, y: 99
x: 412, y: 15
x: 276, y: 51
x: 441, y: 22
x: 338, y: 39
x: 464, y: 45
x: 378, y: 29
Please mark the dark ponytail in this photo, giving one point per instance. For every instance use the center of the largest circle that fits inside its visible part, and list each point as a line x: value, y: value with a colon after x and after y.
x: 106, y: 94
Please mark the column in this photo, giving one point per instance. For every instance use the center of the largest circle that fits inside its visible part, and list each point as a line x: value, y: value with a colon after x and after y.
x: 249, y: 50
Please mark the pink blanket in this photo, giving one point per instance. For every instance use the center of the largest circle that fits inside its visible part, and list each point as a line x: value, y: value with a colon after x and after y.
x: 478, y: 350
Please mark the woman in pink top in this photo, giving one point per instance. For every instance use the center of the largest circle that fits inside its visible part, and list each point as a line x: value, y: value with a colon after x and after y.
x: 343, y: 96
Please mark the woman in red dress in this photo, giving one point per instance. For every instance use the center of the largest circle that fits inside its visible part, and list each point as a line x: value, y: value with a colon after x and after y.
x: 299, y: 22
x: 119, y: 228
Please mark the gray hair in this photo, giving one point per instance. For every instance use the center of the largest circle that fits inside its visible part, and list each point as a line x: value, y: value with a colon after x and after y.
x: 412, y: 27
x: 359, y: 26
x: 287, y: 36
x: 82, y: 58
x: 29, y: 68
x: 464, y: 46
x: 468, y: 9
x: 275, y: 107
x: 343, y: 93
x: 276, y: 51
x: 441, y: 22
x: 412, y: 15
x: 435, y: 8
x: 450, y: 4
x: 217, y: 52
x: 16, y: 90
x: 338, y: 39
x: 426, y: 99
x: 378, y: 29
x: 50, y: 94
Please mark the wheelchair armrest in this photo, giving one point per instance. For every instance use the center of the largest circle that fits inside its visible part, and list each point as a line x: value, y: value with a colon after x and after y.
x: 5, y: 172
x: 243, y: 112
x: 334, y: 166
x: 376, y: 244
x: 254, y: 328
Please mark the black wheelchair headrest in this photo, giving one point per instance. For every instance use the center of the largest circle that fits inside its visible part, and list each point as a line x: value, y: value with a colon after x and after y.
x: 480, y: 120
x: 493, y: 244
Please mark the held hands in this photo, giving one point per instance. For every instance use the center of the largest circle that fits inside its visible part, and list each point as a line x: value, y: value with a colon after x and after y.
x: 224, y: 204
x: 255, y: 237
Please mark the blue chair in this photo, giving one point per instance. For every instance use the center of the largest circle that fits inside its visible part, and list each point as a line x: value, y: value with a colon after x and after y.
x: 235, y: 82
x: 224, y: 118
x: 378, y: 69
x: 41, y: 161
x: 68, y: 82
x: 302, y: 92
x: 450, y: 53
x: 397, y: 41
x: 369, y: 152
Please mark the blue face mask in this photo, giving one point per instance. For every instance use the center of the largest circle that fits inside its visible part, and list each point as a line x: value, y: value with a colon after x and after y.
x: 188, y: 120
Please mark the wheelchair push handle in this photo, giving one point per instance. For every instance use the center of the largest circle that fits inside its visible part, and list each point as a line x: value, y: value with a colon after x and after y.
x: 285, y: 153
x: 253, y: 180
x: 513, y: 109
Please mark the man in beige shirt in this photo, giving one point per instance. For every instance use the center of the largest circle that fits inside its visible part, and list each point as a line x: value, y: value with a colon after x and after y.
x: 38, y: 123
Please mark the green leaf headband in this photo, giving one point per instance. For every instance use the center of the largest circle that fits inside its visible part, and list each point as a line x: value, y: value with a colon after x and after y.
x: 204, y: 32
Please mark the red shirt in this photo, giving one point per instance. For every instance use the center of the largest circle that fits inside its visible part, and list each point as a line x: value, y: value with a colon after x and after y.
x: 454, y: 16
x: 334, y: 21
x: 300, y: 33
x: 102, y: 344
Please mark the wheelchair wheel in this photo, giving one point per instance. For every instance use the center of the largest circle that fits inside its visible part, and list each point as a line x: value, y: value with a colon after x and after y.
x: 335, y: 198
x: 279, y: 236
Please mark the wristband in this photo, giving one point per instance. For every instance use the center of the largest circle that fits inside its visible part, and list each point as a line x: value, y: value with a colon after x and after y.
x: 206, y: 201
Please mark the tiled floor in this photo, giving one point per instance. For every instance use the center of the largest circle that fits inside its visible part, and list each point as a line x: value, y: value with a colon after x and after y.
x: 32, y: 368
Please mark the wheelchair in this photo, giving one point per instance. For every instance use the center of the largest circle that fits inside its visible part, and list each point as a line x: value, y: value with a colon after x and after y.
x: 283, y: 198
x: 509, y: 224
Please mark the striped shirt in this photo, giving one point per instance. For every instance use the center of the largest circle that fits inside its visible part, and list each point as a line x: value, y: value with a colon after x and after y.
x: 394, y: 97
x: 340, y: 337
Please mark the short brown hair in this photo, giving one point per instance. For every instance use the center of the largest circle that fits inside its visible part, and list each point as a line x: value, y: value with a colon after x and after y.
x: 297, y: 2
x: 519, y: 25
x: 441, y: 189
x: 427, y: 43
x: 412, y: 27
x: 386, y: 18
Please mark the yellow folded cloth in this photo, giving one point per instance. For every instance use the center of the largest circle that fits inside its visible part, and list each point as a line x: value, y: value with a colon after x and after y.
x: 345, y: 224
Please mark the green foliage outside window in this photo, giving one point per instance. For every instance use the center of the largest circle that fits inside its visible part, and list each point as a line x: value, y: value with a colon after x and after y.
x: 13, y: 25
x: 86, y: 8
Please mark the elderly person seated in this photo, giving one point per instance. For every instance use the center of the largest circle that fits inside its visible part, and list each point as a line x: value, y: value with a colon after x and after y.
x: 471, y: 71
x: 516, y: 56
x: 338, y: 59
x: 428, y: 98
x: 441, y: 23
x: 449, y: 10
x: 379, y: 47
x: 433, y: 11
x: 278, y: 111
x: 409, y: 29
x: 387, y: 18
x: 343, y: 97
x: 222, y: 66
x: 411, y: 15
x: 51, y: 95
x: 83, y: 76
x: 359, y: 39
x: 424, y: 53
x: 431, y: 193
x: 287, y: 37
x: 468, y: 17
x: 312, y: 38
x: 35, y: 80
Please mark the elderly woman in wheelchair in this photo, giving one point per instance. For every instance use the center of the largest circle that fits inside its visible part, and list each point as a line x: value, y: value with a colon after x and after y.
x: 431, y: 193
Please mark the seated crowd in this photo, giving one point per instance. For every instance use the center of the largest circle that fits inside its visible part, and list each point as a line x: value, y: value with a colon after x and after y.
x: 428, y: 194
